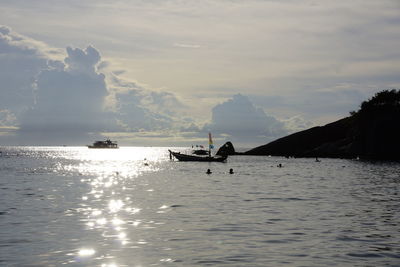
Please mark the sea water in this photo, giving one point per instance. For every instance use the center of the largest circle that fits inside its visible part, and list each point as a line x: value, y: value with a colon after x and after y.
x: 133, y: 206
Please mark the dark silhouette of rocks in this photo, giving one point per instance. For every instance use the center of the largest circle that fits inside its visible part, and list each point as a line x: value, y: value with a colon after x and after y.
x: 226, y: 149
x: 372, y: 132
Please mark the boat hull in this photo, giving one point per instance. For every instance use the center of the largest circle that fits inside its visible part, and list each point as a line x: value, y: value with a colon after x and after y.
x: 105, y: 147
x: 184, y: 157
x: 201, y: 152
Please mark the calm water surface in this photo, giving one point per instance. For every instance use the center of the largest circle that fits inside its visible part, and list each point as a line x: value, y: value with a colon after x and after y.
x: 71, y: 206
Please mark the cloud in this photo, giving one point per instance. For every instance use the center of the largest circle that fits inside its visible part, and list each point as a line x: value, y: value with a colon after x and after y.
x: 69, y: 100
x: 291, y: 57
x: 182, y: 45
x: 164, y: 102
x: 21, y: 59
x: 286, y: 48
x: 82, y: 61
x: 7, y: 118
x: 47, y: 99
x: 13, y: 43
x: 135, y: 117
x: 74, y: 101
x: 8, y: 123
x: 296, y: 124
x: 61, y: 101
x: 139, y: 108
x: 239, y: 119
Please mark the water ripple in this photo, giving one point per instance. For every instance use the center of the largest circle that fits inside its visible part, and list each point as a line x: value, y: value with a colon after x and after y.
x: 134, y: 207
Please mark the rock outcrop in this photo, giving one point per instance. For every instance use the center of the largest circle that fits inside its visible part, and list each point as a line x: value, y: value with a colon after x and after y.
x: 226, y: 149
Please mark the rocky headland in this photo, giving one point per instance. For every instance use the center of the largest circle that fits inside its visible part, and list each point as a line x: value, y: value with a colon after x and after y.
x: 372, y: 132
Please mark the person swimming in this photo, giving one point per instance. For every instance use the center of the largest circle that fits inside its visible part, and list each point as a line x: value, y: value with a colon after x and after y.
x: 208, y: 171
x: 231, y: 171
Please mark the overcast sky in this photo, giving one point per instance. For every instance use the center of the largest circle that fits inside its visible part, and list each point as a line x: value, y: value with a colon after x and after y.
x: 167, y: 72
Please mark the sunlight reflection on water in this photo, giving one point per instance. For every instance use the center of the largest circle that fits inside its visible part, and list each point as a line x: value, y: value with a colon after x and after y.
x: 106, y: 206
x: 134, y: 207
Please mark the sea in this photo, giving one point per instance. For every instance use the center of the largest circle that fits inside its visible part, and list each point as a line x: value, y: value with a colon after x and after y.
x: 133, y: 206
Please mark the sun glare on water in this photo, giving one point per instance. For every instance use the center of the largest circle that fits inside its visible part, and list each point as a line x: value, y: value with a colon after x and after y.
x: 107, y: 205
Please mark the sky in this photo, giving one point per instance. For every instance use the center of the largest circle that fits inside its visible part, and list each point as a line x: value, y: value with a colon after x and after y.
x: 165, y: 73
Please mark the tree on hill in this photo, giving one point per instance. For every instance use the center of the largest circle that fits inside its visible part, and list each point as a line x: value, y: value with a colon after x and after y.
x: 383, y: 101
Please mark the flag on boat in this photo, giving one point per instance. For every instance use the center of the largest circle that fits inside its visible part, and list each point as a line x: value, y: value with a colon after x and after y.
x: 210, y: 142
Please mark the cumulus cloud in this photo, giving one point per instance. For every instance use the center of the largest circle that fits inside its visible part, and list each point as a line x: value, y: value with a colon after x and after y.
x: 69, y: 100
x: 135, y: 117
x: 139, y: 108
x: 82, y: 61
x: 239, y: 119
x: 74, y: 99
x: 78, y: 97
x: 212, y: 46
x: 21, y: 59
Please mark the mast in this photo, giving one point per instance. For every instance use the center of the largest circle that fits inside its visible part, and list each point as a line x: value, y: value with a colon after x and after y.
x: 210, y: 144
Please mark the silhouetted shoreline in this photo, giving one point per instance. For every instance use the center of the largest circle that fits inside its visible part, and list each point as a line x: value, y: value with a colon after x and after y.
x: 373, y: 132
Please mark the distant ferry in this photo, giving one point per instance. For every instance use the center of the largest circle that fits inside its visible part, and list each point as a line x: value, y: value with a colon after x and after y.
x: 104, y: 144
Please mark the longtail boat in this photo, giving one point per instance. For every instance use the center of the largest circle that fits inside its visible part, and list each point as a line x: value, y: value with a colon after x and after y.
x: 184, y: 157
